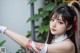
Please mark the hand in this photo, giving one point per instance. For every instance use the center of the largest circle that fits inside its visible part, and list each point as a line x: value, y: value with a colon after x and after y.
x: 2, y: 29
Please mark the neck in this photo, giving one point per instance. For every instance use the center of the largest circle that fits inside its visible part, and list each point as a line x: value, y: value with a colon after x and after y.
x: 56, y: 36
x: 60, y: 38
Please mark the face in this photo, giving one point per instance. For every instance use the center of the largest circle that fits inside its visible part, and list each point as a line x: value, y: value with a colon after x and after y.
x: 57, y: 26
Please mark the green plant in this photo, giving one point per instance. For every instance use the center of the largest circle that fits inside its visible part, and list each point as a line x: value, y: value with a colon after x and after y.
x: 44, y: 14
x: 2, y: 42
x: 21, y: 50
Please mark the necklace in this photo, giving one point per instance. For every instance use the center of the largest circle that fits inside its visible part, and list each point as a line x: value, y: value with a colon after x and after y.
x: 60, y: 38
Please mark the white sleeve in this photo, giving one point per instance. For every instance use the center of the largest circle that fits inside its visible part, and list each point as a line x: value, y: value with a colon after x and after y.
x: 44, y: 50
x: 2, y: 29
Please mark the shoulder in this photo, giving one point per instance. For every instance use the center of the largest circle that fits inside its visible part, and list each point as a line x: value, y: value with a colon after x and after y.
x: 66, y: 45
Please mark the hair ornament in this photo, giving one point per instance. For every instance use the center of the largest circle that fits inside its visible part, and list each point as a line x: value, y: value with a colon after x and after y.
x: 70, y: 4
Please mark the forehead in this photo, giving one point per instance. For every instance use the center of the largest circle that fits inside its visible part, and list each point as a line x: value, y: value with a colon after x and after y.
x: 57, y: 16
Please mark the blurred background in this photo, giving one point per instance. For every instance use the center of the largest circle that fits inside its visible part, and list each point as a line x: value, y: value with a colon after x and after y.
x: 29, y: 18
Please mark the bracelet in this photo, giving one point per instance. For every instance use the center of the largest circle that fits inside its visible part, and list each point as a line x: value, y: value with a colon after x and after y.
x: 28, y: 44
x: 44, y: 50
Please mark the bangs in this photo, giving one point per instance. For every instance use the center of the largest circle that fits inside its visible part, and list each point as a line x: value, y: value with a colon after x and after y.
x: 56, y: 15
x: 64, y: 12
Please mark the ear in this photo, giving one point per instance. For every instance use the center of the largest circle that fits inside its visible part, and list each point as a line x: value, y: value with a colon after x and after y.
x: 69, y: 27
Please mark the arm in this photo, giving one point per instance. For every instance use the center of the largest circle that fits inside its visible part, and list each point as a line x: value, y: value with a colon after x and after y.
x: 25, y: 42
x: 61, y: 47
x: 16, y: 37
x: 40, y: 47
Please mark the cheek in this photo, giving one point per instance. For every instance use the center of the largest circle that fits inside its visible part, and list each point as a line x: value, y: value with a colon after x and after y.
x: 61, y: 28
x: 50, y: 24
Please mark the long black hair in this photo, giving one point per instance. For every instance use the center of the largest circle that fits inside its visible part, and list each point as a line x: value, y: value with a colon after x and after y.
x: 68, y: 15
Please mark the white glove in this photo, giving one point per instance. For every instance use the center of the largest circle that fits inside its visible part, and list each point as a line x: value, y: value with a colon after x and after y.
x: 2, y: 29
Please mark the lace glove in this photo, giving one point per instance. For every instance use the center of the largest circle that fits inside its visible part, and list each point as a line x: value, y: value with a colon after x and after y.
x: 2, y: 29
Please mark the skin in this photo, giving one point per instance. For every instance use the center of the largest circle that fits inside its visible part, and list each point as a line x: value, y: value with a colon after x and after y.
x: 58, y: 25
x: 65, y: 46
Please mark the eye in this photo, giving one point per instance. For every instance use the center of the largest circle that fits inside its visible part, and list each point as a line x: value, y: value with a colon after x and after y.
x: 51, y: 19
x: 60, y: 22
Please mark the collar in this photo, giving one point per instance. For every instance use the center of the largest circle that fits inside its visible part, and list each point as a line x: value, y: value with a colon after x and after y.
x: 60, y: 38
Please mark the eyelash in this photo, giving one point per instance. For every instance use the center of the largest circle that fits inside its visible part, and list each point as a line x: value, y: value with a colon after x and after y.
x: 51, y: 19
x: 58, y: 21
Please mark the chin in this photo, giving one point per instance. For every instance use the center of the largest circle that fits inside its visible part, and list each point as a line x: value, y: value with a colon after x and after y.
x: 53, y: 33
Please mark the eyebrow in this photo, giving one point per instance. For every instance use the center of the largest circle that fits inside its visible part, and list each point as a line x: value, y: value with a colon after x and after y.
x: 53, y: 17
x: 57, y: 19
x: 60, y: 19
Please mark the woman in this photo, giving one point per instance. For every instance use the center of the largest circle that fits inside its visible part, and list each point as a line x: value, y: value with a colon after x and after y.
x: 72, y: 31
x: 61, y: 36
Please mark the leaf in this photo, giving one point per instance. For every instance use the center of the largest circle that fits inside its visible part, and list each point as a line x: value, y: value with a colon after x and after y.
x: 36, y: 27
x: 46, y: 28
x: 31, y: 1
x: 41, y: 41
x: 28, y: 34
x: 43, y: 28
x: 23, y: 47
x: 50, y: 6
x: 2, y: 42
x: 59, y: 1
x: 34, y: 17
x: 46, y: 13
x: 40, y: 10
x: 19, y: 51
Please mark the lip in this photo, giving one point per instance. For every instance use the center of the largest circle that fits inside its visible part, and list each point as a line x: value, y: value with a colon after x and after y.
x: 53, y: 29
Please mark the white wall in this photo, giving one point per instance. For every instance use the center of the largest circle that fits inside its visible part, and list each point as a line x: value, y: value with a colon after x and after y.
x: 13, y: 14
